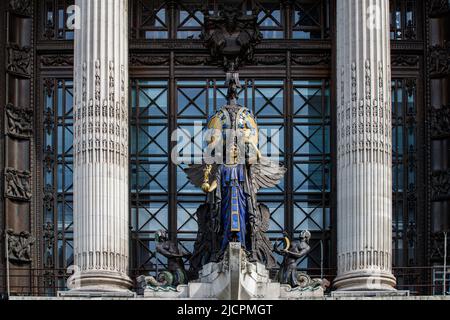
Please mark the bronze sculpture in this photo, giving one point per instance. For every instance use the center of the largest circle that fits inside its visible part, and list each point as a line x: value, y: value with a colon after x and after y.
x: 293, y: 252
x: 231, y: 179
x: 174, y: 255
x: 175, y: 274
x: 231, y: 37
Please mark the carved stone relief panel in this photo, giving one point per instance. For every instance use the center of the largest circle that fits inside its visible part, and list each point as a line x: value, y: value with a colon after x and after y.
x: 440, y: 122
x: 440, y: 184
x: 57, y: 60
x: 401, y: 60
x: 439, y: 7
x: 22, y: 7
x: 17, y: 184
x: 19, y: 122
x: 19, y: 246
x: 19, y: 60
x: 440, y: 60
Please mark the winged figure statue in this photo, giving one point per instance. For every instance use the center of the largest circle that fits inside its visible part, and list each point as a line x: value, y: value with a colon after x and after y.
x: 231, y: 212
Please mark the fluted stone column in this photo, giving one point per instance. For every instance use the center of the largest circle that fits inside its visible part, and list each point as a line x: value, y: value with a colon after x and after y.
x: 364, y: 141
x: 101, y: 146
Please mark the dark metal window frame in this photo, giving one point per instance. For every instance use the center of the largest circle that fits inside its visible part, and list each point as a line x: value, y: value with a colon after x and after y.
x: 270, y: 55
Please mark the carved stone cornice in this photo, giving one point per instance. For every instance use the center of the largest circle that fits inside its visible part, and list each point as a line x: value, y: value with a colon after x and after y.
x: 19, y: 246
x: 407, y: 46
x: 19, y: 122
x: 21, y: 7
x: 17, y: 184
x: 402, y: 60
x: 136, y: 46
x: 439, y: 60
x: 270, y: 60
x: 440, y: 185
x: 19, y: 60
x: 57, y: 60
x: 146, y: 60
x: 191, y: 60
x: 312, y: 59
x: 440, y: 122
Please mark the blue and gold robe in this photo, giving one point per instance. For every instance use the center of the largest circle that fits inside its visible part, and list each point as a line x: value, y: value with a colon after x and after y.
x: 234, y: 209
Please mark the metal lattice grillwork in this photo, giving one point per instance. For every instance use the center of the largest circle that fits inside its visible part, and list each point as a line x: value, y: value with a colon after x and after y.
x: 57, y: 20
x: 403, y: 20
x: 195, y: 102
x: 310, y: 19
x: 150, y: 19
x: 404, y: 175
x: 297, y: 111
x: 58, y: 181
x: 149, y: 169
x: 311, y: 166
x: 301, y: 19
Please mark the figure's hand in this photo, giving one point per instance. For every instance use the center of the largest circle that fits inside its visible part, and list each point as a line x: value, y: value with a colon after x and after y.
x: 206, y: 187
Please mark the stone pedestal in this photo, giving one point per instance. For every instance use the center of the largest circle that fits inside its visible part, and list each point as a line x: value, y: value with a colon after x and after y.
x: 234, y: 278
x: 364, y: 142
x: 101, y: 227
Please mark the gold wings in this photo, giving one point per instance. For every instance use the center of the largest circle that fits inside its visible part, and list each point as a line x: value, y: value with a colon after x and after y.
x: 266, y: 174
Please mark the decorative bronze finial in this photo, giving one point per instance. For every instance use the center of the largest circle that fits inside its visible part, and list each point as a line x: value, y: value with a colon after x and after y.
x: 234, y: 85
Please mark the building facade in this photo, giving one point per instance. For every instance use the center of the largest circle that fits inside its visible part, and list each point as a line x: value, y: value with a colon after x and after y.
x: 355, y: 96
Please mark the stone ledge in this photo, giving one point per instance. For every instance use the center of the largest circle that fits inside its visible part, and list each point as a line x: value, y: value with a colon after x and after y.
x: 96, y: 294
x: 138, y: 298
x: 369, y: 294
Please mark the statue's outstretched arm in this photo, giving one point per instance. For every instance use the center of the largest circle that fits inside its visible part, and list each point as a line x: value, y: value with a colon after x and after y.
x: 168, y: 254
x: 185, y: 253
x: 300, y: 254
